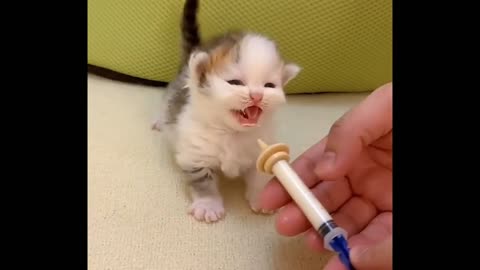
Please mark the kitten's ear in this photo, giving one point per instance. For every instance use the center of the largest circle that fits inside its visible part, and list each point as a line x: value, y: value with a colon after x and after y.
x: 290, y: 71
x: 198, y: 65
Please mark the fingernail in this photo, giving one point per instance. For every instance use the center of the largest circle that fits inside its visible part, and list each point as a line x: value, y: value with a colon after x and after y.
x: 326, y: 162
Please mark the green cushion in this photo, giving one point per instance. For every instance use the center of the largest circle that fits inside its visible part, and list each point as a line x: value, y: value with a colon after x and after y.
x: 342, y: 45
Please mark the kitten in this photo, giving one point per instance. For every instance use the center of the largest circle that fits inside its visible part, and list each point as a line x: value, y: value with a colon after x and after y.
x: 221, y: 102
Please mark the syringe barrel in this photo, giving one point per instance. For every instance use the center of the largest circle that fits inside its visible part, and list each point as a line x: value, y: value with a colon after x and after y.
x: 306, y: 201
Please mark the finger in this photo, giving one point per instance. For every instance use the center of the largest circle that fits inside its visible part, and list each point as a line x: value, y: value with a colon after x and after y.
x: 275, y: 196
x: 313, y: 240
x: 372, y: 248
x: 291, y: 220
x: 385, y: 142
x: 377, y: 256
x: 379, y: 229
x: 381, y: 151
x: 334, y: 264
x: 375, y: 185
x: 362, y: 125
x: 353, y: 217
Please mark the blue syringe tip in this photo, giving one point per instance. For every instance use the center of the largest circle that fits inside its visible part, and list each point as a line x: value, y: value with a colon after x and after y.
x: 340, y: 245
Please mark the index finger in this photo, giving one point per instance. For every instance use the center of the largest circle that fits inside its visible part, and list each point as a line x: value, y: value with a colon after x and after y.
x: 275, y: 196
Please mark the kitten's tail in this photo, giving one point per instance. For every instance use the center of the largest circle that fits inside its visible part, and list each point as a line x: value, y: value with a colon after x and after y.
x: 190, y: 33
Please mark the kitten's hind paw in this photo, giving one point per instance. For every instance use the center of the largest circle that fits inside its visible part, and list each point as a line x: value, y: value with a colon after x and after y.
x: 207, y: 209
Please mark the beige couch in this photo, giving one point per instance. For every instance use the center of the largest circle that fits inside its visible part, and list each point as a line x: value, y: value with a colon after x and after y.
x: 137, y: 205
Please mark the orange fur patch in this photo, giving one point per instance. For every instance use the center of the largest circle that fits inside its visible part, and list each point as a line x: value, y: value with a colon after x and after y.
x: 222, y: 56
x: 222, y: 52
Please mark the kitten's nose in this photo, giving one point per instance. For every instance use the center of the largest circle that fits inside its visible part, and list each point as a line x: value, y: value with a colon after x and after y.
x: 256, y: 97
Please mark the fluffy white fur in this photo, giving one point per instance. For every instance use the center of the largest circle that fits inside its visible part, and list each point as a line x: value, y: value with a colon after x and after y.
x: 207, y: 135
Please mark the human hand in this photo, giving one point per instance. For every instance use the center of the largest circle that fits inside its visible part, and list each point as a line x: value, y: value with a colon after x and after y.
x: 350, y: 172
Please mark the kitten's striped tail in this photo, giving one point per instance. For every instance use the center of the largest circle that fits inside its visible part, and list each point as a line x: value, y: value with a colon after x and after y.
x: 190, y: 33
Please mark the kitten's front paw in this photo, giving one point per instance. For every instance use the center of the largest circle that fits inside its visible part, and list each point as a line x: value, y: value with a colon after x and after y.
x: 207, y: 209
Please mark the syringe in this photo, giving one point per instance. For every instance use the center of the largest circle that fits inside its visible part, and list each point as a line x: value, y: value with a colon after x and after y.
x: 274, y: 160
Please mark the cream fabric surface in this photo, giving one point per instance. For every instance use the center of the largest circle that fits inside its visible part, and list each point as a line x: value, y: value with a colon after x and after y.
x: 137, y: 203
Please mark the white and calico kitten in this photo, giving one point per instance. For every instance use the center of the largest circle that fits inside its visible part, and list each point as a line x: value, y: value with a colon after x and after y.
x: 221, y: 102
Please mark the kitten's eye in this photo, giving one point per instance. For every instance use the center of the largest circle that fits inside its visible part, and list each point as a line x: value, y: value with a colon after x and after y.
x: 269, y: 85
x: 235, y: 82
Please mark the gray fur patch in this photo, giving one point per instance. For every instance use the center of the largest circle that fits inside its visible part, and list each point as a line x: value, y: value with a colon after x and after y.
x: 177, y: 97
x: 201, y: 179
x: 203, y: 185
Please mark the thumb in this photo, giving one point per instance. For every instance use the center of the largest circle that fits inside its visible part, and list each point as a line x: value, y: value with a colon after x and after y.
x: 355, y: 130
x: 373, y: 257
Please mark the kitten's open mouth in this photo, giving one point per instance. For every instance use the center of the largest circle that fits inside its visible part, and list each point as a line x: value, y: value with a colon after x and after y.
x: 249, y: 116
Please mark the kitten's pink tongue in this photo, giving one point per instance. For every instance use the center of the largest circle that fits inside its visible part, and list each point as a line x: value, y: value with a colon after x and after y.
x: 253, y: 113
